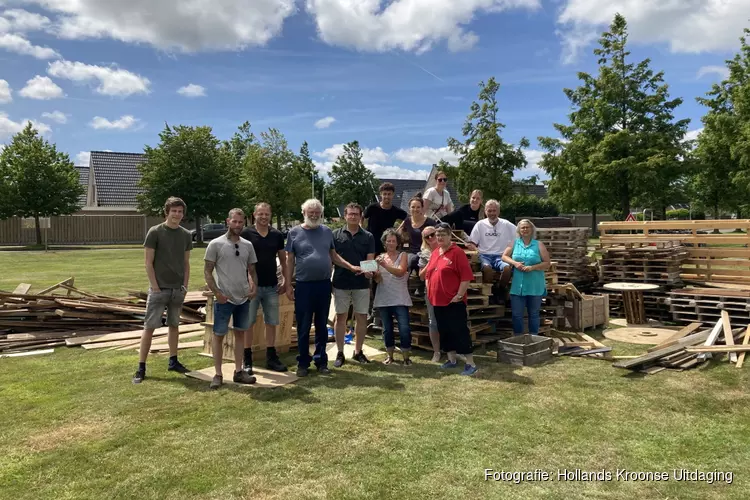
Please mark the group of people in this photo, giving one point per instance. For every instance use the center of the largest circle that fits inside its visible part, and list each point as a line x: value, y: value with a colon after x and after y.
x: 240, y: 268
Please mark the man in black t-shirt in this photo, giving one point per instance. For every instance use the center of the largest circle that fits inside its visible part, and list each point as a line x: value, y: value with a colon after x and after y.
x: 381, y: 216
x: 268, y: 244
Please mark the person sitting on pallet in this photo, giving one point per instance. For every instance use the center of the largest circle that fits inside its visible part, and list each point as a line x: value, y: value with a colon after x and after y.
x: 233, y: 258
x: 490, y: 237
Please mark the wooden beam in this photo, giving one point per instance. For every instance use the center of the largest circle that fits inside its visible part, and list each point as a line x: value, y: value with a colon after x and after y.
x: 28, y: 353
x: 719, y: 348
x: 22, y: 288
x: 132, y: 334
x: 745, y: 341
x: 650, y: 357
x: 691, y: 328
x: 711, y: 339
x: 728, y: 336
x: 68, y: 282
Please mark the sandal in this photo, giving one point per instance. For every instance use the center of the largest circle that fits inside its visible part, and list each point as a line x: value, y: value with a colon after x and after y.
x: 388, y: 360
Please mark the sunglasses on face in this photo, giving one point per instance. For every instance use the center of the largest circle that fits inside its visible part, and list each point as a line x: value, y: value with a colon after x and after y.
x: 429, y: 236
x: 443, y: 180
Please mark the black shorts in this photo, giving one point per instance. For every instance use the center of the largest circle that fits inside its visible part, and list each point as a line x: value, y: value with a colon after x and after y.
x: 452, y: 323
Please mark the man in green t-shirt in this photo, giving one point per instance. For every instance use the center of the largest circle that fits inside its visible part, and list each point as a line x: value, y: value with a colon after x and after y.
x: 168, y: 248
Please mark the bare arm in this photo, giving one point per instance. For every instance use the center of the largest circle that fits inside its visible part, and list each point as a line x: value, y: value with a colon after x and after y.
x: 396, y: 271
x: 208, y: 274
x: 253, y: 280
x: 150, y: 269
x: 187, y: 269
x: 336, y: 258
x: 282, y: 261
x: 289, y: 271
x: 461, y: 291
x: 507, y: 256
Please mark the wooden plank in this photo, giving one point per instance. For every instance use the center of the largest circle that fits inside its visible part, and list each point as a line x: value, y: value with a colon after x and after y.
x: 180, y: 346
x: 691, y: 328
x: 675, y: 225
x: 132, y: 334
x: 654, y: 356
x: 22, y: 288
x: 119, y: 343
x: 711, y: 339
x: 29, y: 353
x: 719, y: 348
x: 68, y: 282
x: 745, y: 341
x: 728, y: 336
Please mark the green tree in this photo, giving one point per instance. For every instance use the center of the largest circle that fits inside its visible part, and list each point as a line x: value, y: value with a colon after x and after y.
x: 36, y: 180
x: 350, y: 179
x: 622, y: 142
x: 241, y: 142
x: 191, y: 163
x: 722, y: 180
x: 271, y: 174
x: 315, y: 183
x: 485, y: 160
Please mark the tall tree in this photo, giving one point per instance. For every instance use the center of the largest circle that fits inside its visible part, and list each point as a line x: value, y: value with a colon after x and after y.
x: 241, y: 143
x: 36, y: 180
x: 485, y: 159
x: 270, y: 174
x: 191, y: 163
x: 309, y: 173
x: 722, y: 180
x: 622, y: 141
x: 351, y: 180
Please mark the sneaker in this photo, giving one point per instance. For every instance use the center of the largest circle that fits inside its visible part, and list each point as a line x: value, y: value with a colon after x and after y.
x: 360, y: 357
x: 242, y: 377
x: 301, y: 371
x: 469, y: 370
x: 340, y: 360
x: 276, y: 365
x: 448, y: 365
x: 323, y: 370
x: 177, y: 367
x: 139, y: 376
x: 216, y: 382
x: 247, y: 368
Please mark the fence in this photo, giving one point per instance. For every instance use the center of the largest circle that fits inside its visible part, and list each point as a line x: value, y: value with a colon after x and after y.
x: 81, y: 230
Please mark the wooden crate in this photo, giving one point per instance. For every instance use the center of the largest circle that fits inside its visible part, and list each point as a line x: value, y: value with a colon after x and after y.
x: 283, y: 331
x: 584, y: 311
x: 524, y: 350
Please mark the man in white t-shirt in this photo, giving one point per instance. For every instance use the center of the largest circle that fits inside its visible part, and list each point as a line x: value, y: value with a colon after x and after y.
x: 491, y: 236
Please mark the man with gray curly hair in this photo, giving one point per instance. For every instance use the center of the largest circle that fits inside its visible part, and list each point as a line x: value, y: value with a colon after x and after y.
x: 310, y: 257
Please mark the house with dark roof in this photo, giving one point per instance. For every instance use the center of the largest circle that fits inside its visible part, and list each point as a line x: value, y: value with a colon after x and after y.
x: 111, y: 181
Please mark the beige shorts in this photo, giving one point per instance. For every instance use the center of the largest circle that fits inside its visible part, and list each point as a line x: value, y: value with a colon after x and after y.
x: 360, y: 299
x: 170, y: 299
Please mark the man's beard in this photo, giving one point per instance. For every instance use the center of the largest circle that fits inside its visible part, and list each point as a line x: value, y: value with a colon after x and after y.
x: 312, y: 224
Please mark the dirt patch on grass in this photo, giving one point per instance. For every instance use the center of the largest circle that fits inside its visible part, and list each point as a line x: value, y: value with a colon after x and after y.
x: 50, y: 439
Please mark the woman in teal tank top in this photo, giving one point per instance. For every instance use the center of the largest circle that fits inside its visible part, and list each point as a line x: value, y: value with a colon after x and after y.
x: 529, y: 259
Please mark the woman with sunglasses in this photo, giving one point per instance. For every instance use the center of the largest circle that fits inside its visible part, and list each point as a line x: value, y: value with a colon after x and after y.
x: 448, y: 276
x: 429, y: 245
x: 437, y: 199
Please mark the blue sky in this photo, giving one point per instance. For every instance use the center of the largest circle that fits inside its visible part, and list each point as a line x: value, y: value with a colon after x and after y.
x: 398, y: 75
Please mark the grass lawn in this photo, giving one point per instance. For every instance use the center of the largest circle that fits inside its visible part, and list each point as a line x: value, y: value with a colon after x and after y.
x: 75, y: 427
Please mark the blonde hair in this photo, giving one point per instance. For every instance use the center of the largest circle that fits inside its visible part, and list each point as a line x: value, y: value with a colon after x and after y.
x: 526, y: 221
x: 425, y: 245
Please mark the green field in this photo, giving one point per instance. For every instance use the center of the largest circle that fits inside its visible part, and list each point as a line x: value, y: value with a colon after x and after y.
x: 73, y: 425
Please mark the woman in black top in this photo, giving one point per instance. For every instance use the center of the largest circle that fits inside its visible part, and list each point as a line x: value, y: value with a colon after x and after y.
x: 411, y: 230
x: 467, y: 215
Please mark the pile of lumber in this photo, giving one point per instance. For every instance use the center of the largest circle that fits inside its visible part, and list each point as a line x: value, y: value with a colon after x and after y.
x: 715, y: 253
x: 691, y: 347
x: 47, y: 318
x: 568, y: 248
x: 579, y: 345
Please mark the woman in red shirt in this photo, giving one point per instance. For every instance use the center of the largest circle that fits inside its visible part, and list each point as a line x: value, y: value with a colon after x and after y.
x: 448, y: 275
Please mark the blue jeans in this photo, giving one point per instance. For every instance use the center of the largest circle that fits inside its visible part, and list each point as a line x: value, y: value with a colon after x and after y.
x: 268, y: 299
x: 312, y: 298
x: 520, y: 302
x: 238, y: 314
x: 494, y: 261
x: 404, y: 330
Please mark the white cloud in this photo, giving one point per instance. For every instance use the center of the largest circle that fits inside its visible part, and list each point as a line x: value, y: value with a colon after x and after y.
x: 173, y: 25
x: 9, y: 128
x: 426, y: 155
x: 376, y: 155
x: 42, y: 88
x: 692, y: 135
x: 533, y: 157
x: 112, y: 81
x: 409, y: 25
x: 722, y: 71
x: 5, y: 92
x: 13, y: 42
x: 82, y: 158
x: 19, y: 20
x: 56, y: 116
x: 688, y: 26
x: 124, y: 123
x: 192, y: 90
x: 325, y: 122
x: 380, y: 171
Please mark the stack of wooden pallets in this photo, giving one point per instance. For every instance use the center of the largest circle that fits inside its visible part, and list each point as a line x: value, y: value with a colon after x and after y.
x: 568, y: 249
x: 705, y: 305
